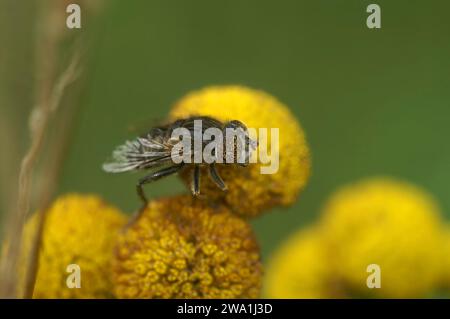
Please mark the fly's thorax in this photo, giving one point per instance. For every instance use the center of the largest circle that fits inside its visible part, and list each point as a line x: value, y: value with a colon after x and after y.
x: 208, y: 141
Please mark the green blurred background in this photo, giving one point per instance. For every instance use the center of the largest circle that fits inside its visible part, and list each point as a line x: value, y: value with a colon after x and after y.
x: 372, y: 102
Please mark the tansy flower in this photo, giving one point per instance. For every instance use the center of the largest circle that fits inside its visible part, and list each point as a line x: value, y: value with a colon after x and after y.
x: 250, y: 192
x: 81, y: 230
x: 389, y: 223
x: 300, y: 269
x: 182, y: 248
x: 446, y: 256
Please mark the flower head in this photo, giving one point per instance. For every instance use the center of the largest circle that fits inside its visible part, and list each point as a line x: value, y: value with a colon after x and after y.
x: 81, y: 230
x: 250, y: 192
x: 446, y: 253
x: 182, y: 248
x: 389, y: 223
x: 300, y: 269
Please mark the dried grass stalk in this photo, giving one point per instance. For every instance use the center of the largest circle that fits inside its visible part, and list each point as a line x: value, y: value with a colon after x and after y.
x: 39, y: 123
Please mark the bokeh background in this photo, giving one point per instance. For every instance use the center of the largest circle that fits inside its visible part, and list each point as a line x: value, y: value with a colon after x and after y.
x: 372, y: 102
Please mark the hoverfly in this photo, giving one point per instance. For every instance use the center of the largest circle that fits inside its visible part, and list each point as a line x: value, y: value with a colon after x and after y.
x: 156, y: 151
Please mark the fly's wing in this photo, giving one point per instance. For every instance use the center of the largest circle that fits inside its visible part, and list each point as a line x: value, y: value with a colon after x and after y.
x: 143, y: 152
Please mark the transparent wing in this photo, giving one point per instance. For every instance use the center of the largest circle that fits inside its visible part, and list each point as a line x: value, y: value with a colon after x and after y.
x: 141, y: 153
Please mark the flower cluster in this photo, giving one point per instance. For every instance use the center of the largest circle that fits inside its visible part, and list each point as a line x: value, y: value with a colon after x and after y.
x: 446, y: 264
x: 81, y: 230
x: 381, y: 221
x: 300, y: 269
x: 204, y: 247
x: 182, y: 248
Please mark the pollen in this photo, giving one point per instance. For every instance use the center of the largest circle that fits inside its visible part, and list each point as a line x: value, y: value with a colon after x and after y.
x: 249, y: 191
x: 392, y: 224
x: 182, y: 248
x: 81, y: 230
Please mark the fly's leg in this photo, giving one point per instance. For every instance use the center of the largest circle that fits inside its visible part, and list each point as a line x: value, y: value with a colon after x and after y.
x: 148, y: 179
x: 195, y: 184
x: 153, y: 177
x: 215, y: 177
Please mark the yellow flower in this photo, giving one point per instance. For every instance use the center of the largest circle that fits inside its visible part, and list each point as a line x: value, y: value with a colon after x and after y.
x: 182, y: 248
x: 300, y: 269
x: 81, y: 230
x: 250, y: 192
x: 446, y: 264
x: 389, y: 223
